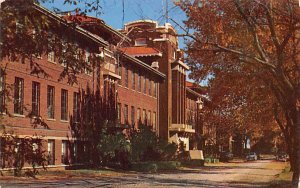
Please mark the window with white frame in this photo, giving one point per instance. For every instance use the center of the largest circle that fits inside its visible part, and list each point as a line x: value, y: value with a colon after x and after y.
x: 64, y: 104
x: 88, y: 67
x: 50, y: 101
x: 35, y: 98
x: 19, y: 96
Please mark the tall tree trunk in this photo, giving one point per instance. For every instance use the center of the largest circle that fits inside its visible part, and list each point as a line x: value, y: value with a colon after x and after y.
x: 290, y: 152
x: 296, y: 172
x: 292, y: 161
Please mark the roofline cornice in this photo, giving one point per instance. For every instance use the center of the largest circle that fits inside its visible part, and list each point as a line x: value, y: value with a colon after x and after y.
x: 78, y: 29
x: 144, y: 65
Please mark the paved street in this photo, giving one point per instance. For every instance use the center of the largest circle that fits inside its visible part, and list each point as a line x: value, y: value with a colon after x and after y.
x: 238, y: 174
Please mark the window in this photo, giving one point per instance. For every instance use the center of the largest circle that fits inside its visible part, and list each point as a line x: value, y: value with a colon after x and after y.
x: 149, y: 86
x: 132, y: 115
x: 126, y: 114
x: 64, y: 104
x: 144, y: 116
x: 155, y: 89
x: 76, y: 107
x: 139, y: 82
x: 141, y: 42
x: 50, y: 101
x: 120, y: 74
x: 133, y: 80
x: 154, y: 120
x: 35, y: 99
x: 64, y: 152
x: 126, y: 77
x: 51, y: 152
x: 62, y: 60
x: 2, y: 91
x: 51, y: 47
x: 87, y: 69
x: 149, y: 118
x: 75, y: 151
x: 119, y: 112
x: 174, y: 54
x: 145, y: 82
x: 35, y: 147
x: 138, y: 115
x: 51, y: 57
x: 19, y: 96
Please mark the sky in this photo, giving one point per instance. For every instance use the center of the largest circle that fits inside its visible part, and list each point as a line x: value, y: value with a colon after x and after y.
x: 112, y: 12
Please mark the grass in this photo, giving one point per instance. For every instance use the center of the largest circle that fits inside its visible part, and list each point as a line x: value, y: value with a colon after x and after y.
x: 78, y: 173
x: 283, y: 179
x: 155, y: 166
x: 64, y: 174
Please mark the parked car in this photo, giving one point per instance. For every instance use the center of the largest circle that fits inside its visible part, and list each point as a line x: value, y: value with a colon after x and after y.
x: 282, y: 156
x: 252, y: 156
x: 226, y: 156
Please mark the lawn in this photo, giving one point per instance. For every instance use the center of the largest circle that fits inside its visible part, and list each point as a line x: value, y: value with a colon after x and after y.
x: 283, y: 179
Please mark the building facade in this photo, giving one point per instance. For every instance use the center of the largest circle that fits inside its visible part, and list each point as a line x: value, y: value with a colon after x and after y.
x: 50, y: 107
x: 138, y: 74
x: 158, y: 46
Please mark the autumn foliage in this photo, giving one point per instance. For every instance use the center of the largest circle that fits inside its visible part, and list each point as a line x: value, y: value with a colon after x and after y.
x: 249, y: 52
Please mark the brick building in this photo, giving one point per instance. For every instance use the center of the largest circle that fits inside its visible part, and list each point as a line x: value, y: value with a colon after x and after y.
x: 138, y: 72
x: 130, y: 84
x: 179, y: 105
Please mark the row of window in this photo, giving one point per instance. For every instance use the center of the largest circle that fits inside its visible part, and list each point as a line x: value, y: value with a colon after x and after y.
x: 36, y: 86
x: 191, y: 104
x: 149, y: 86
x: 51, y: 58
x: 136, y: 115
x: 69, y: 152
x: 142, y: 115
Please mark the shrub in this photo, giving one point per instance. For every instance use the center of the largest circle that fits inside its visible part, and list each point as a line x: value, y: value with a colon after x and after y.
x: 154, y: 166
x: 147, y: 146
x: 16, y: 152
x: 114, y: 148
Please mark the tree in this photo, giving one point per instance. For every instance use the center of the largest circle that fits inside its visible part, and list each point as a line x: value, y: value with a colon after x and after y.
x: 25, y: 20
x: 20, y: 21
x: 258, y: 39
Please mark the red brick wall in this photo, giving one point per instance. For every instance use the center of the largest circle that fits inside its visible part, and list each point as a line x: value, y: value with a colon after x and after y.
x: 60, y: 130
x: 134, y: 97
x: 22, y: 125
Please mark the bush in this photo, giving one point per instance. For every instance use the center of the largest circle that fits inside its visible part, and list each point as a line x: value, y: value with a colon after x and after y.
x: 16, y: 152
x: 147, y: 146
x: 114, y: 149
x: 193, y: 163
x: 154, y: 166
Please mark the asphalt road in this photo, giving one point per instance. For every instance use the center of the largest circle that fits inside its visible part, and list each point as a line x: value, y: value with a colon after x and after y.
x: 236, y: 174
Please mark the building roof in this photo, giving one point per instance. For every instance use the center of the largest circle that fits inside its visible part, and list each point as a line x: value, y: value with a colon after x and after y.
x: 194, y: 87
x: 78, y: 29
x: 196, y: 90
x: 154, y: 24
x: 83, y: 19
x: 142, y: 64
x: 190, y: 84
x: 139, y: 51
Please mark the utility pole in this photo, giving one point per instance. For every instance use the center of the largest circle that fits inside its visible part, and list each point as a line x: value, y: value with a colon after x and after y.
x: 167, y: 12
